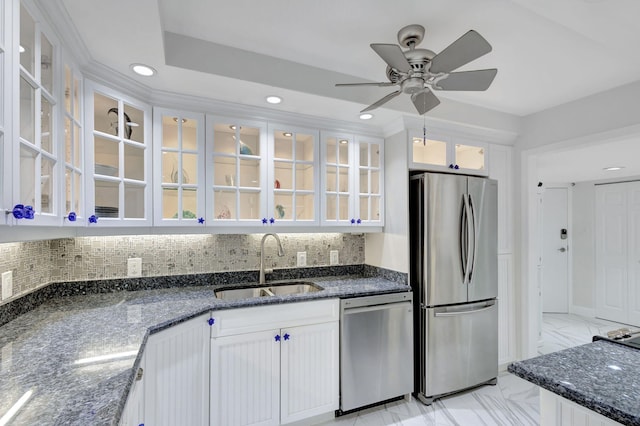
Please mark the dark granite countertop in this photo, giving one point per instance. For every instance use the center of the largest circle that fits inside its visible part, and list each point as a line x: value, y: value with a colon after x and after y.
x: 40, y: 349
x: 601, y: 376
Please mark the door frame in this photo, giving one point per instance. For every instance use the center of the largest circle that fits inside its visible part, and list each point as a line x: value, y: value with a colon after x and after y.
x: 528, y: 244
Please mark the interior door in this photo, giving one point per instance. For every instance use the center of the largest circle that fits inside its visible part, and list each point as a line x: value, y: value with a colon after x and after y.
x: 611, y: 252
x: 633, y: 233
x: 555, y: 254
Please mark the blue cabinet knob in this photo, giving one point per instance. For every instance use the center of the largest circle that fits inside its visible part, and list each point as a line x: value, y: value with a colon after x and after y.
x: 201, y: 220
x: 272, y: 221
x: 353, y: 221
x: 71, y: 217
x: 264, y: 220
x: 277, y: 337
x: 211, y: 321
x: 93, y: 219
x: 359, y: 221
x: 286, y: 336
x: 20, y: 211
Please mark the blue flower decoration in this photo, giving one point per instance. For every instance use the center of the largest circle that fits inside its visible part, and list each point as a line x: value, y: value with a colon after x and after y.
x: 201, y: 220
x: 264, y: 220
x: 272, y: 221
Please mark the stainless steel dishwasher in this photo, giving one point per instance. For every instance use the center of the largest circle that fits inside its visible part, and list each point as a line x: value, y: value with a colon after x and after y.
x: 376, y: 349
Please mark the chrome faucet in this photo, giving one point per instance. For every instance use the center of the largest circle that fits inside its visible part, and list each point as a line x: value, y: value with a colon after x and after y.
x: 280, y: 254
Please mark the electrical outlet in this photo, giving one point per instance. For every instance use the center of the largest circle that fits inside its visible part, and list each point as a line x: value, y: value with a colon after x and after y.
x: 134, y: 267
x: 333, y: 257
x: 302, y: 258
x: 7, y: 284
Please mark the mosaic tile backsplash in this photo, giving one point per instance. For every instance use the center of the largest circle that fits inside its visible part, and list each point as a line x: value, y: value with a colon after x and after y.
x: 37, y: 263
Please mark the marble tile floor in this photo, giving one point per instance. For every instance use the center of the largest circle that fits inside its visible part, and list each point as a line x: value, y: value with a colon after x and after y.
x: 512, y: 401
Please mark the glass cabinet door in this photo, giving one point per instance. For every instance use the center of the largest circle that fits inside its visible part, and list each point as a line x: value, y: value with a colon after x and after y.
x: 470, y: 157
x: 36, y: 158
x: 73, y: 164
x: 120, y: 155
x: 370, y: 181
x: 338, y: 188
x: 179, y: 179
x: 429, y: 151
x: 235, y: 171
x: 293, y: 175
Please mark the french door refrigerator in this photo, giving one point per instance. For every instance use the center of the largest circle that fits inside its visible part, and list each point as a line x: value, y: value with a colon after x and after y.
x: 453, y: 272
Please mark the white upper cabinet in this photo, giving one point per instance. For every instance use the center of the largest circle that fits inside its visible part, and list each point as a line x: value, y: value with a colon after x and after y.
x: 36, y: 156
x: 293, y: 176
x: 179, y: 168
x: 72, y: 142
x: 236, y: 172
x: 438, y: 152
x: 5, y: 108
x: 352, y: 180
x: 118, y: 158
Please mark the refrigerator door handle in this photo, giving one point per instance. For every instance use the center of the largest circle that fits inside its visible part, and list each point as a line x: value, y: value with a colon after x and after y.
x: 467, y: 232
x: 464, y: 238
x: 471, y: 311
x: 474, y: 233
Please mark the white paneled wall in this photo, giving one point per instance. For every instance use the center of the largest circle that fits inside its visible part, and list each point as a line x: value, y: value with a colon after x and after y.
x: 558, y: 411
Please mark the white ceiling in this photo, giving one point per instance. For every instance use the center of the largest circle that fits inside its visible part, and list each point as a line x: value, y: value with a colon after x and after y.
x: 548, y: 52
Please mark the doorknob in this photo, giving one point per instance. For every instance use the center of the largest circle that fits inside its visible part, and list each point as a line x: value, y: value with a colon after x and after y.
x: 562, y: 249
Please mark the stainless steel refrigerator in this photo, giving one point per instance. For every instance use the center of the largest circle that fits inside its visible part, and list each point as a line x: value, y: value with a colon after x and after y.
x: 453, y: 272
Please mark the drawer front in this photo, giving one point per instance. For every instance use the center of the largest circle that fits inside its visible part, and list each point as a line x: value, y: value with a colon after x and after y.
x: 258, y: 318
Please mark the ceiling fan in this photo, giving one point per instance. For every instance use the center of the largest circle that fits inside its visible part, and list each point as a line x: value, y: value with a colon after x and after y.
x: 418, y: 71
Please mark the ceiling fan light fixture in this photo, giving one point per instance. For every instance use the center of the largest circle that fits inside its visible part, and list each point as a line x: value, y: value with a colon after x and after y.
x: 366, y: 116
x: 613, y: 168
x: 143, y: 70
x: 274, y: 99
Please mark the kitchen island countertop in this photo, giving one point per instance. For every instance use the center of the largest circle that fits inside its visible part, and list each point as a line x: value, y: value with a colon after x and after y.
x: 601, y: 376
x: 46, y: 354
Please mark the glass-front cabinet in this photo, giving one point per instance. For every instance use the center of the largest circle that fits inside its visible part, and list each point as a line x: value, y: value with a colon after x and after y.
x: 35, y: 173
x: 440, y: 152
x: 293, y: 176
x: 5, y: 108
x: 236, y: 172
x: 118, y: 158
x: 179, y: 172
x: 352, y: 184
x: 73, y: 148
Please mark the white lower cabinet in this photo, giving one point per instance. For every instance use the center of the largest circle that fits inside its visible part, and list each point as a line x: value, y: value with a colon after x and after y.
x: 270, y: 375
x: 176, y: 378
x: 133, y: 413
x: 558, y: 411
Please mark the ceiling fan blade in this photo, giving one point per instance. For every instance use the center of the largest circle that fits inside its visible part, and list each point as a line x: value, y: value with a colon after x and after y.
x: 424, y: 100
x: 477, y: 80
x: 462, y: 51
x: 382, y: 101
x: 385, y: 84
x: 392, y: 55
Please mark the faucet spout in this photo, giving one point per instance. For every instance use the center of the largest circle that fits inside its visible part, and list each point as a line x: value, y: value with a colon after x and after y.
x: 280, y: 254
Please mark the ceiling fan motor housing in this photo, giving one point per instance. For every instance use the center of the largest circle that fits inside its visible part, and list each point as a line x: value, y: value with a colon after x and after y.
x: 412, y: 85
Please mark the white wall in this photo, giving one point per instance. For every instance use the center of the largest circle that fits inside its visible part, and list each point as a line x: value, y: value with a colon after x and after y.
x: 390, y: 249
x: 583, y: 247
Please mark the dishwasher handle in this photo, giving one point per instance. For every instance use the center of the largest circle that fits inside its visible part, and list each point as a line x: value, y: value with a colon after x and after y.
x: 456, y: 313
x: 349, y: 311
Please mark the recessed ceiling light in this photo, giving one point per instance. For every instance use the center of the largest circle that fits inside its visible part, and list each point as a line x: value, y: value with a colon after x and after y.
x: 143, y: 70
x: 344, y: 141
x: 366, y: 116
x: 233, y: 127
x: 613, y: 168
x: 184, y: 120
x: 287, y: 134
x: 274, y: 99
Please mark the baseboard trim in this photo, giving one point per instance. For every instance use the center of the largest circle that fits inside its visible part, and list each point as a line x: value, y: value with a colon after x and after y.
x: 582, y: 311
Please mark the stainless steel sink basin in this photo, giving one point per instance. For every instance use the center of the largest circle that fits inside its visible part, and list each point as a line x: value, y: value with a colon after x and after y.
x: 275, y: 289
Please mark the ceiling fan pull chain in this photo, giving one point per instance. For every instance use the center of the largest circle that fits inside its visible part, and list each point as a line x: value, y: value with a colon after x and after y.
x: 424, y: 130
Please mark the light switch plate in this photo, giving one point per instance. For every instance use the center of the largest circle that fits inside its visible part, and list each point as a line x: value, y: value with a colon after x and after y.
x: 134, y: 267
x: 302, y: 258
x: 7, y: 284
x: 333, y: 257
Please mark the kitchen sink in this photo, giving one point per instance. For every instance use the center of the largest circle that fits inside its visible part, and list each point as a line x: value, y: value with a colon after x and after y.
x: 275, y: 289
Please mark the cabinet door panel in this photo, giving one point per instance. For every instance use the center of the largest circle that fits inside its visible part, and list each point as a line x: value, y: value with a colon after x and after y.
x: 245, y: 379
x: 176, y: 385
x: 309, y: 371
